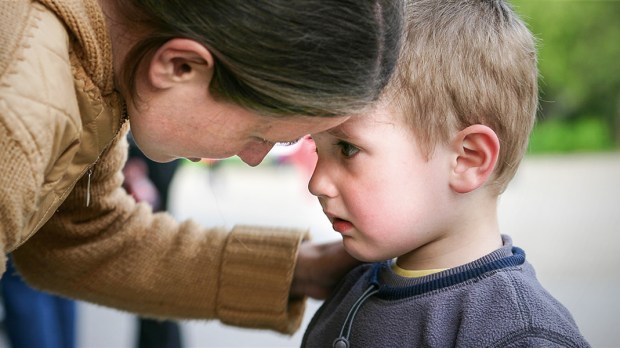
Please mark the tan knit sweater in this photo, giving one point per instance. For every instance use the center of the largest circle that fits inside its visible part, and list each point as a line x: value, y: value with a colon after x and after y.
x: 62, y: 142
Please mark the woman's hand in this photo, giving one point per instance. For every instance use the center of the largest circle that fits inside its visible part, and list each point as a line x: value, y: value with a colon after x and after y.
x: 319, y: 269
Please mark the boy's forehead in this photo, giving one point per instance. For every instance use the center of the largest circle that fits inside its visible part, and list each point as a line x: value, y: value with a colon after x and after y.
x: 342, y: 131
x: 381, y: 114
x: 363, y: 123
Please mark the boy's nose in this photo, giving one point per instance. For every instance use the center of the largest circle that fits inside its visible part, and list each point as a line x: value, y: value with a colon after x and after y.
x: 320, y: 183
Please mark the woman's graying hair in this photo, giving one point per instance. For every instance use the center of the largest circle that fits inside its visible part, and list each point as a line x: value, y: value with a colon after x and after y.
x: 278, y: 57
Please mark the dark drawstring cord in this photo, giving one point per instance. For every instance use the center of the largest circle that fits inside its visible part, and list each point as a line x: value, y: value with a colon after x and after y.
x: 343, y: 340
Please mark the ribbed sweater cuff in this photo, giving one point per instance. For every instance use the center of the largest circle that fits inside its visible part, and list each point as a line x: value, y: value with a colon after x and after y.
x: 256, y: 275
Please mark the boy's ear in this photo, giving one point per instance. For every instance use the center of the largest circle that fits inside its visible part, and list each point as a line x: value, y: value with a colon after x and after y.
x: 476, y: 150
x: 180, y: 61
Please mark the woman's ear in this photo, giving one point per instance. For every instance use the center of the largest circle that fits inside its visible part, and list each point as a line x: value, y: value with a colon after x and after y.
x: 180, y: 61
x: 476, y: 150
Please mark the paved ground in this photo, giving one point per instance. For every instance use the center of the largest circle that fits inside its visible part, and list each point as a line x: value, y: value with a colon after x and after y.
x: 564, y: 211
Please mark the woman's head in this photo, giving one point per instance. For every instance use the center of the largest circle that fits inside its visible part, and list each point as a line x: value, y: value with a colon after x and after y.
x: 276, y: 57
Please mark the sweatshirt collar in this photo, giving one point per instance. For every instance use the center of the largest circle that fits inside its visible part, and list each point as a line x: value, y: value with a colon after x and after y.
x: 392, y: 286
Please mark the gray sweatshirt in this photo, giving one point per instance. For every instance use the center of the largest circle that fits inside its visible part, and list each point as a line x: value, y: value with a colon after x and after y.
x: 495, y: 301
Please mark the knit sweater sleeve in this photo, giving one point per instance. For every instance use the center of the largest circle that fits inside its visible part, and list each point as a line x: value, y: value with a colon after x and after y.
x: 117, y: 253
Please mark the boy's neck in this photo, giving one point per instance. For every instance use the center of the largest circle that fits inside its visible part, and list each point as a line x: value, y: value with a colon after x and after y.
x: 475, y: 235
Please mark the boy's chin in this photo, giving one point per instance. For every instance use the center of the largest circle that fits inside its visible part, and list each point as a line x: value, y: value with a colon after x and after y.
x: 361, y: 256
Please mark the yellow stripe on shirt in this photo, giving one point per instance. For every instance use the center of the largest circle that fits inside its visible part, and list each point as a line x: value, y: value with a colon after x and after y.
x: 414, y: 274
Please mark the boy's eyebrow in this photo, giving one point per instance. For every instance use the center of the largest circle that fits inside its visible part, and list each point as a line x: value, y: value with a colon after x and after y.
x: 338, y: 132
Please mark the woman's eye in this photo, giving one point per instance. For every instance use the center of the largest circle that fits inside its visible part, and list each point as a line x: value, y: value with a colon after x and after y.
x: 347, y: 149
x: 287, y: 143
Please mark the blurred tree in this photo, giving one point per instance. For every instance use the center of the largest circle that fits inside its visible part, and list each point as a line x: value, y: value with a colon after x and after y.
x: 579, y: 61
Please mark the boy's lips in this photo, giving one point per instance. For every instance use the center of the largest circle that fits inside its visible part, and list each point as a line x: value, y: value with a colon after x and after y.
x: 341, y: 226
x: 338, y: 224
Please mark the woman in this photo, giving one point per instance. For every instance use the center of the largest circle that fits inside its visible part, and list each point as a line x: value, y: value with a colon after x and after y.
x: 194, y: 79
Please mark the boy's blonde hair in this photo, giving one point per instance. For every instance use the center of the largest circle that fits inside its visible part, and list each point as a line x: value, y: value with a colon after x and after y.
x: 468, y: 62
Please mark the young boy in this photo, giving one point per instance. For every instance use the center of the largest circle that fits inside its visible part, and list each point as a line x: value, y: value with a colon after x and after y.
x: 417, y: 183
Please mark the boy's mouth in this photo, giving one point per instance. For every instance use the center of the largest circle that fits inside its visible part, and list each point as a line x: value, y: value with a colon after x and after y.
x: 340, y: 225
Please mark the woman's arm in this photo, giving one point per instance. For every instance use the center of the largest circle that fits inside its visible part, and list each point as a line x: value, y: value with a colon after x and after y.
x: 119, y: 254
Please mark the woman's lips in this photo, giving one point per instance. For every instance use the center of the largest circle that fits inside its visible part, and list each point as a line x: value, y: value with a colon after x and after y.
x: 340, y: 225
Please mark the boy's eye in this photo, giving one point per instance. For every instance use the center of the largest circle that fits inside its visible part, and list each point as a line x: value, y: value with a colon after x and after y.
x: 347, y: 149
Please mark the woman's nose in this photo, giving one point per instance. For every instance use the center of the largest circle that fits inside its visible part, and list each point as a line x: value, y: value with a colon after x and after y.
x: 254, y: 153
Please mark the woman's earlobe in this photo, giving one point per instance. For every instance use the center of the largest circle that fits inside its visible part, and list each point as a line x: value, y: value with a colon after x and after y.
x: 477, y: 150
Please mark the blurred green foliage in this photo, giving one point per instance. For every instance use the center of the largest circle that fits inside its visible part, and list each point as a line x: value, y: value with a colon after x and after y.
x: 579, y: 62
x: 563, y: 136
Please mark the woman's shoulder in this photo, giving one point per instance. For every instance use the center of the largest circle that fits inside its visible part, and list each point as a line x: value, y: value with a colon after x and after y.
x: 37, y: 77
x: 28, y: 26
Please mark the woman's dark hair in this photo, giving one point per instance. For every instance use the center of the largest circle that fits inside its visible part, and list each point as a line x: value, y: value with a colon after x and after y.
x: 278, y: 57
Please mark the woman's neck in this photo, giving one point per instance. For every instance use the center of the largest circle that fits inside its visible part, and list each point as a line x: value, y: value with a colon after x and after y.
x: 121, y: 35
